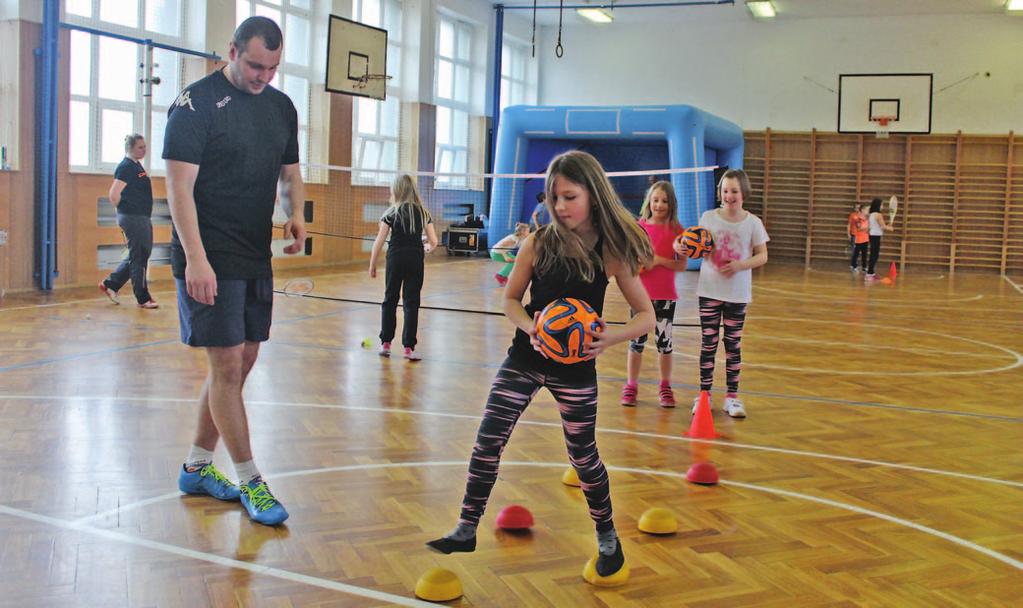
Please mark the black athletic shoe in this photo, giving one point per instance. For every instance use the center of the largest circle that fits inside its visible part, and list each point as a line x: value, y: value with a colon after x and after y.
x: 447, y: 545
x: 609, y: 564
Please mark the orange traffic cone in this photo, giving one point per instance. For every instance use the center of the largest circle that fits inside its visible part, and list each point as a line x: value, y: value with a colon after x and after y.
x: 892, y: 272
x: 702, y: 426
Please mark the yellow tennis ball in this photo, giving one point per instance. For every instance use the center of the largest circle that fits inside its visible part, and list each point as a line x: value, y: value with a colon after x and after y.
x: 367, y: 342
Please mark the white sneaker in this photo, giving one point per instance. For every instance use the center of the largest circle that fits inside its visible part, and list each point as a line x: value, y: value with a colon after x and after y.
x: 696, y: 404
x: 733, y: 407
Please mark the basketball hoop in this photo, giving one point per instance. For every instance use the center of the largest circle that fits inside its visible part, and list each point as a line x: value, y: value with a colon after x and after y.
x: 882, y: 124
x: 363, y: 81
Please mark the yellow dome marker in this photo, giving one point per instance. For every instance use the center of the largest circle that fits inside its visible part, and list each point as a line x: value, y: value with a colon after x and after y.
x: 658, y: 520
x: 615, y: 580
x: 438, y: 585
x: 570, y: 478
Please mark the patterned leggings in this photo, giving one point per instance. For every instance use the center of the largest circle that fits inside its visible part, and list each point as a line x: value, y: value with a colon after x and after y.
x: 514, y: 387
x: 664, y: 314
x: 711, y: 312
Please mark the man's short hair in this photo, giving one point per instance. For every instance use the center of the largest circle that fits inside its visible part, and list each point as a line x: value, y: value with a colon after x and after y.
x: 258, y: 27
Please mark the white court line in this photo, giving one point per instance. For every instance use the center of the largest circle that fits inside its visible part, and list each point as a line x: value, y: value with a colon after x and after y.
x: 872, y: 301
x: 1013, y: 283
x: 211, y: 558
x: 962, y: 542
x: 476, y: 417
x: 849, y: 345
x: 879, y: 372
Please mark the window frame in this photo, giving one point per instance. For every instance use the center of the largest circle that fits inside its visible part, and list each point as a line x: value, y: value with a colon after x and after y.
x: 96, y: 104
x: 370, y: 174
x: 461, y: 30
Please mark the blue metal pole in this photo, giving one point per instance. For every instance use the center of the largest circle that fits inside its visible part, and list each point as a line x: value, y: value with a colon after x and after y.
x: 46, y: 145
x: 495, y: 108
x: 137, y: 40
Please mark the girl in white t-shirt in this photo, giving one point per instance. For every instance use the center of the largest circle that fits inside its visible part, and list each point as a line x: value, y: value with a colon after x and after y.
x: 726, y: 283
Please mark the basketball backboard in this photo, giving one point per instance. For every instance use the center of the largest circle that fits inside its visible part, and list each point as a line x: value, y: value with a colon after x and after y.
x: 902, y: 100
x: 356, y: 59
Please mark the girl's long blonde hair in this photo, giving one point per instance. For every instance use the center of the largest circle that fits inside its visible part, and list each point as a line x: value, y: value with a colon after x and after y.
x: 406, y: 204
x: 559, y: 247
x: 669, y: 191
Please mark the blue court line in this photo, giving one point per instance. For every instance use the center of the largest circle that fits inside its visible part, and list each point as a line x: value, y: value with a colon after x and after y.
x: 107, y: 351
x: 694, y: 387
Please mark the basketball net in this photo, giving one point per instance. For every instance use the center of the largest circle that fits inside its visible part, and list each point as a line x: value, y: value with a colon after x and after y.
x: 881, y: 128
x: 364, y: 80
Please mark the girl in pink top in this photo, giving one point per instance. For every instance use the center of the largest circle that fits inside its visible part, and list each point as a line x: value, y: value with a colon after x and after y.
x: 659, y: 217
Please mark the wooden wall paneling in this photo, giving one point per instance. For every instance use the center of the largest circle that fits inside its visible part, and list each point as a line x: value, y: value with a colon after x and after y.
x: 768, y: 157
x: 1014, y: 242
x: 790, y: 186
x: 931, y: 193
x: 1007, y: 206
x: 809, y: 199
x: 955, y: 204
x: 754, y: 165
x: 981, y: 209
x: 836, y: 161
x: 902, y: 215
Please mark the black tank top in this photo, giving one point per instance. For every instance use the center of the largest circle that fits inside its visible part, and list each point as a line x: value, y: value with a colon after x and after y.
x: 560, y: 283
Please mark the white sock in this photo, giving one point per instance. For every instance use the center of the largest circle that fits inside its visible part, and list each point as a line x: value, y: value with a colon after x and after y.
x: 198, y: 456
x: 246, y: 471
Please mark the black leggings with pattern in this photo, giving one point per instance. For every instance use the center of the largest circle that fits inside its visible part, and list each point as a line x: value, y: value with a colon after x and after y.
x: 514, y: 387
x: 714, y: 314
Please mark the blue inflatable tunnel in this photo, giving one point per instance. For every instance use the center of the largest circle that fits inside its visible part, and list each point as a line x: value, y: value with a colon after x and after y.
x: 631, y: 138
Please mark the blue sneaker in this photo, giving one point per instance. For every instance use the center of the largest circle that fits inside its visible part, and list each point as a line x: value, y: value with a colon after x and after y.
x: 207, y: 481
x: 263, y: 508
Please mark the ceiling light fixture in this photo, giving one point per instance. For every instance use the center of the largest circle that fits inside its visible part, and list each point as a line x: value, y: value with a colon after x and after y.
x: 1014, y: 6
x: 764, y: 9
x: 596, y: 15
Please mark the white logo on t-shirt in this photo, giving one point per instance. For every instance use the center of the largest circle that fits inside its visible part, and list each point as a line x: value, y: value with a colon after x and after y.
x: 223, y: 102
x: 185, y: 99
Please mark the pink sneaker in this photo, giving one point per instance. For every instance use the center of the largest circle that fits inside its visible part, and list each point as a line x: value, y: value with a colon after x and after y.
x: 501, y: 280
x: 629, y: 392
x: 411, y: 354
x: 385, y: 349
x: 109, y: 293
x: 150, y: 305
x: 667, y: 396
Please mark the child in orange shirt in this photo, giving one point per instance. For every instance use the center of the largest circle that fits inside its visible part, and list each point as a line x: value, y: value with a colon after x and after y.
x: 858, y: 227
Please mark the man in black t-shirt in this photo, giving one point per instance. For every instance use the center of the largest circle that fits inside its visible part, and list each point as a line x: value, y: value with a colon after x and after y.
x: 131, y: 194
x: 231, y: 143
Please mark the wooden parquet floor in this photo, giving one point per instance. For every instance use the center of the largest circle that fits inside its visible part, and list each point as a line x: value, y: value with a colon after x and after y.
x: 880, y: 464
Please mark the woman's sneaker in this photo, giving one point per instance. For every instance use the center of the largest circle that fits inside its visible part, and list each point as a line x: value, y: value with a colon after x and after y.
x: 109, y: 293
x: 412, y: 355
x: 629, y: 392
x: 385, y: 349
x: 667, y: 396
x: 696, y: 403
x: 733, y: 407
x: 206, y: 480
x: 150, y: 305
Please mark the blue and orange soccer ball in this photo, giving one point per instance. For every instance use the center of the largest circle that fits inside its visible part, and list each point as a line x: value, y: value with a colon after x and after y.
x: 561, y: 329
x: 695, y: 242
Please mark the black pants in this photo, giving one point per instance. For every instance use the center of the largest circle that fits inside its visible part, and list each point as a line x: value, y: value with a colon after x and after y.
x: 138, y: 230
x: 859, y: 250
x: 875, y: 250
x: 404, y: 278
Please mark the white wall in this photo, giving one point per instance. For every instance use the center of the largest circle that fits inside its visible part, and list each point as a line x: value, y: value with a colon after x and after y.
x: 754, y: 73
